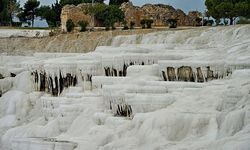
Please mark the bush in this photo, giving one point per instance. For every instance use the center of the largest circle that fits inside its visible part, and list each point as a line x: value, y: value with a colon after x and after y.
x: 143, y: 23
x: 146, y: 23
x: 132, y: 25
x: 16, y: 24
x: 70, y: 25
x: 83, y: 25
x: 208, y: 22
x: 107, y: 14
x: 107, y: 28
x: 125, y: 26
x: 172, y: 23
x: 149, y: 23
x: 198, y: 21
x: 243, y: 21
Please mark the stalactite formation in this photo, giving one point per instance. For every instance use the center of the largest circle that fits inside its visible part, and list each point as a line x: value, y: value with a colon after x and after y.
x: 12, y: 74
x: 1, y: 76
x: 189, y: 74
x: 110, y: 71
x: 124, y: 110
x: 53, y: 84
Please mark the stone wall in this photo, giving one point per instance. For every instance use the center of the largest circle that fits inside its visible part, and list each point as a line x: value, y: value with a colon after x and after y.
x: 75, y: 13
x: 193, y: 15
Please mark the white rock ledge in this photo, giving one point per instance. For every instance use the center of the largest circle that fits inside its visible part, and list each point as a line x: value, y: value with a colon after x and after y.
x: 42, y: 144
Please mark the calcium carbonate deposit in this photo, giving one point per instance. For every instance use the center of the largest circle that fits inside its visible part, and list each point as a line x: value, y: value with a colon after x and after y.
x: 174, y: 90
x: 23, y: 33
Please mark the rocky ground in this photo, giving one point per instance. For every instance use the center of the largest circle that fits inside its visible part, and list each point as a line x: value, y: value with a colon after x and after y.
x: 26, y: 42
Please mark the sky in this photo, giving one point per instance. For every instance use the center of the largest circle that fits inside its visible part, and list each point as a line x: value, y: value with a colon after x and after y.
x: 185, y: 5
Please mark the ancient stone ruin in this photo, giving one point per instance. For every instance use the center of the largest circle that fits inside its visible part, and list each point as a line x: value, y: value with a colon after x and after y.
x: 159, y: 13
x: 76, y: 14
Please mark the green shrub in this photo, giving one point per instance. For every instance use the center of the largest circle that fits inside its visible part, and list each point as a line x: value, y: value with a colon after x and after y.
x: 70, y: 25
x: 146, y: 23
x: 143, y: 23
x: 83, y: 25
x: 149, y: 23
x: 107, y: 14
x: 243, y: 21
x: 16, y: 24
x: 172, y: 23
x: 107, y: 28
x: 198, y: 21
x: 132, y: 24
x: 208, y: 22
x: 125, y: 26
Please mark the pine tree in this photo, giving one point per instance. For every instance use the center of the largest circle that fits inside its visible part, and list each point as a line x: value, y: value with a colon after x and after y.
x: 30, y: 10
x: 7, y: 8
x: 57, y: 8
x: 117, y: 2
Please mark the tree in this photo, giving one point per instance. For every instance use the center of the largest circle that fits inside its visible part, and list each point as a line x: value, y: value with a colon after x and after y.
x: 51, y: 14
x: 125, y: 25
x: 1, y: 6
x: 83, y: 25
x: 149, y: 23
x: 7, y: 9
x: 57, y: 8
x: 243, y: 8
x: 243, y: 20
x: 30, y: 10
x: 146, y: 23
x: 172, y: 23
x: 198, y: 21
x: 228, y: 9
x: 76, y: 2
x: 4, y: 16
x: 47, y: 13
x: 108, y: 15
x: 132, y: 25
x: 117, y: 2
x: 143, y: 23
x: 70, y: 25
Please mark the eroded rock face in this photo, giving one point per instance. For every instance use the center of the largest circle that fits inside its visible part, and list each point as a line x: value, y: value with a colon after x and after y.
x: 159, y: 13
x: 54, y: 85
x: 75, y: 13
x: 193, y: 15
x: 187, y: 74
x: 171, y: 73
x: 1, y: 76
x: 200, y: 77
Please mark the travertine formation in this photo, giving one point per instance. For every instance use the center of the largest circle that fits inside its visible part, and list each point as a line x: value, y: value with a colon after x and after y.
x: 68, y: 43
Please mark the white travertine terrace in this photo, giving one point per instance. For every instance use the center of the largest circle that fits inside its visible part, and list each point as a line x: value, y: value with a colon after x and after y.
x: 171, y: 90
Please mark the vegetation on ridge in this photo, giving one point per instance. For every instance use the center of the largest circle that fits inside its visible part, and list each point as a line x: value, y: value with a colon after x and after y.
x: 230, y: 9
x: 7, y: 9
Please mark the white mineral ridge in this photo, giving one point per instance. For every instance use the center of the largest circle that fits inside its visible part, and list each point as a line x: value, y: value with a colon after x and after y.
x: 5, y: 33
x: 213, y: 115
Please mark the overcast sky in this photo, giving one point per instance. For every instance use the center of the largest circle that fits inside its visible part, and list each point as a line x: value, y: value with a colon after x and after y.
x: 185, y: 5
